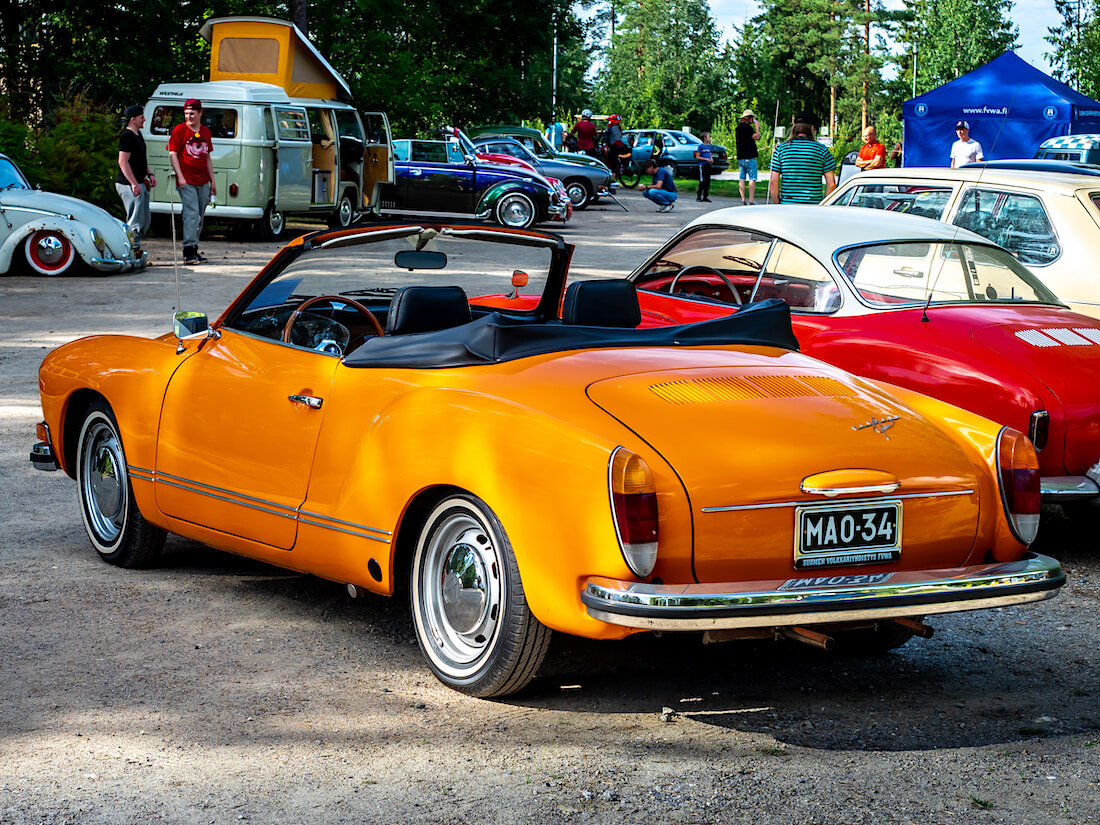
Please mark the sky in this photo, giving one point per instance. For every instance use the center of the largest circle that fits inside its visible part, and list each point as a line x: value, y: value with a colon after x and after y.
x: 1033, y: 17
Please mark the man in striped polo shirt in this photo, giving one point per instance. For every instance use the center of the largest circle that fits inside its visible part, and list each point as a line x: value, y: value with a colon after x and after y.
x: 798, y: 166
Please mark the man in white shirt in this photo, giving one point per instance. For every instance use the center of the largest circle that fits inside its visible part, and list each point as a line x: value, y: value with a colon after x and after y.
x: 964, y: 150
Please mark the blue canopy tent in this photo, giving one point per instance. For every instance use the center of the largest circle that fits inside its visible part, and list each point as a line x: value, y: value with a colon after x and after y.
x: 1010, y: 105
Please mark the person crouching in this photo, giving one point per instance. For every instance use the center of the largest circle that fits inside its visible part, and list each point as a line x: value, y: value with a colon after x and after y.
x: 663, y: 189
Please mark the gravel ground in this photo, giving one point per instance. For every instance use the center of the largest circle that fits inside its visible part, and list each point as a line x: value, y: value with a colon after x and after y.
x: 216, y: 690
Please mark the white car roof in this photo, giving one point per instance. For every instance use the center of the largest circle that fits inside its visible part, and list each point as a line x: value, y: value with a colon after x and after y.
x: 821, y: 230
x: 1065, y: 183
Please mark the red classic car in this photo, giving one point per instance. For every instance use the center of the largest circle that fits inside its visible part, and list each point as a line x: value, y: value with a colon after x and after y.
x: 910, y: 301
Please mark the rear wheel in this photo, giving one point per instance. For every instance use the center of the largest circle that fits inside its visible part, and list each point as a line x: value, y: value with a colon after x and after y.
x: 272, y: 223
x: 671, y: 166
x: 118, y: 530
x: 49, y: 252
x: 516, y: 210
x: 469, y: 609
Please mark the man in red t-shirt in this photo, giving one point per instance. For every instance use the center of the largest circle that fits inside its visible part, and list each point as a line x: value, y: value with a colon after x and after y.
x: 585, y: 131
x: 189, y: 150
x: 872, y: 154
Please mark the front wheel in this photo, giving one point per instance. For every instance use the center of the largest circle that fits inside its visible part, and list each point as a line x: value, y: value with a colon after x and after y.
x: 516, y: 210
x: 629, y: 175
x: 119, y: 532
x: 579, y: 193
x: 469, y: 609
x: 272, y: 223
x: 49, y: 252
x: 344, y: 214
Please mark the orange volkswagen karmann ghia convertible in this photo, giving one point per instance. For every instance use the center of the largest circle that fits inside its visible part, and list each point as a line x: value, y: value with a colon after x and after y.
x: 531, y: 461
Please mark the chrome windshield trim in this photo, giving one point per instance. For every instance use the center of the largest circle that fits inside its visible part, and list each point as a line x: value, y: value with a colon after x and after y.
x: 767, y: 604
x: 732, y: 507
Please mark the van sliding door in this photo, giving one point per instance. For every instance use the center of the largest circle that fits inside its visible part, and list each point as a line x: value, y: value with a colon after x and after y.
x: 293, y: 160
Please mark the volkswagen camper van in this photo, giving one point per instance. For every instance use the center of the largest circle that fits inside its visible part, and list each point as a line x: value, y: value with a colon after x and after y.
x: 286, y: 139
x: 1080, y: 148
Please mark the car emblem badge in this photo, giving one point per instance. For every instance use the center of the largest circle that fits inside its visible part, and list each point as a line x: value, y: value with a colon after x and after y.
x: 880, y: 425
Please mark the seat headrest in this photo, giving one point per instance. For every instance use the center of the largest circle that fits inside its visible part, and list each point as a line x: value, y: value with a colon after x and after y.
x: 426, y: 309
x: 611, y: 302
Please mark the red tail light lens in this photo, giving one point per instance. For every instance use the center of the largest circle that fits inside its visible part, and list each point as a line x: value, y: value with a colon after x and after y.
x: 1019, y: 470
x: 634, y: 506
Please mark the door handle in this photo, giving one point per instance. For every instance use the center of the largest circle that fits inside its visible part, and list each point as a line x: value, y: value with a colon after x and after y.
x: 311, y: 401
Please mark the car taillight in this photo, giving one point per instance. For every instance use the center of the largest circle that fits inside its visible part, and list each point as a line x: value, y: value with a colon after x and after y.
x: 634, y: 506
x: 1019, y: 470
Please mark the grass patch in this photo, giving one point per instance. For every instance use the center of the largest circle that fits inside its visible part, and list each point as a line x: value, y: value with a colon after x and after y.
x: 984, y: 804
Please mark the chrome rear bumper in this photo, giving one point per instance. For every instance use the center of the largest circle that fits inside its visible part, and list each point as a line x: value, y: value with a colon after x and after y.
x: 821, y: 599
x: 1056, y: 489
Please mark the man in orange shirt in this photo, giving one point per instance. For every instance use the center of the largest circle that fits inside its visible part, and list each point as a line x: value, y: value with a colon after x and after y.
x: 872, y: 154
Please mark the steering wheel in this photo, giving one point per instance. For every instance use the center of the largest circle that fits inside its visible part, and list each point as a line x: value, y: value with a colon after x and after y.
x: 320, y: 299
x: 703, y: 269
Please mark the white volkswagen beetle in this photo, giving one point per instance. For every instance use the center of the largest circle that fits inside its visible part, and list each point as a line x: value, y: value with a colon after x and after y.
x: 54, y: 232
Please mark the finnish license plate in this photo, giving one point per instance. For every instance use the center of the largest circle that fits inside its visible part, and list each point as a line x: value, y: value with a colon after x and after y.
x: 850, y: 533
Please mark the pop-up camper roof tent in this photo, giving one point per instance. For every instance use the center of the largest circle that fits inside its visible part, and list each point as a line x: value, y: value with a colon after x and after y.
x: 273, y: 51
x: 1010, y: 105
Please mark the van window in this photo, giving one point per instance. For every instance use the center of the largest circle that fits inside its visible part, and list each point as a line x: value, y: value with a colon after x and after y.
x: 375, y: 125
x: 1017, y: 222
x: 1061, y: 154
x: 221, y: 122
x: 292, y: 124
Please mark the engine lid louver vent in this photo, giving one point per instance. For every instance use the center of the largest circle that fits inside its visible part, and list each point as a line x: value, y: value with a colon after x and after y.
x: 709, y: 390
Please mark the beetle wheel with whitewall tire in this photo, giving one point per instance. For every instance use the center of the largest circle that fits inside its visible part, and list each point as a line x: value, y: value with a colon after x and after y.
x: 118, y: 530
x: 345, y: 212
x: 272, y: 224
x: 578, y: 192
x: 49, y: 252
x: 469, y: 609
x: 516, y: 210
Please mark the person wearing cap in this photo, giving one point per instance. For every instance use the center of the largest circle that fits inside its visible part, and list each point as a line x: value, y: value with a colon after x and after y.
x: 965, y: 150
x: 585, y: 130
x: 134, y: 179
x: 189, y: 150
x: 746, y: 134
x: 613, y: 140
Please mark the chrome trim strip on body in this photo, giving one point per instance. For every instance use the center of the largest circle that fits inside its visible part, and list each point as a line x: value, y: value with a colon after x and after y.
x: 764, y: 604
x: 732, y: 507
x: 262, y: 505
x: 1067, y: 488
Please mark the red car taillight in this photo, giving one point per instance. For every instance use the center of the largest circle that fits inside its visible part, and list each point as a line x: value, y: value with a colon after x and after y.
x: 1019, y: 466
x: 634, y: 506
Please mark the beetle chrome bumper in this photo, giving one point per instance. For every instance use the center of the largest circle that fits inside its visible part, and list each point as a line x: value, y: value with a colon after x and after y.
x: 119, y: 264
x: 821, y: 599
x: 42, y: 457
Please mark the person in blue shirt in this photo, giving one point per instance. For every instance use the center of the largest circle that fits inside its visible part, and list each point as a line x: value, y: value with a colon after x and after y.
x: 704, y: 153
x: 663, y: 189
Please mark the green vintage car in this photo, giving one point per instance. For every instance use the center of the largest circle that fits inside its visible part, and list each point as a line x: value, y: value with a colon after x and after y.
x: 533, y: 139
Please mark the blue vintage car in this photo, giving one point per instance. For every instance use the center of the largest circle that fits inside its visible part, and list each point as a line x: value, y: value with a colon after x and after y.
x: 443, y: 179
x: 677, y: 150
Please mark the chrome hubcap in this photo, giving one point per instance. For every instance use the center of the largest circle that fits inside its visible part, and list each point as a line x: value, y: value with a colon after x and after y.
x: 461, y: 592
x: 516, y: 212
x: 576, y: 193
x: 50, y: 250
x: 276, y: 222
x: 104, y: 482
x: 345, y: 212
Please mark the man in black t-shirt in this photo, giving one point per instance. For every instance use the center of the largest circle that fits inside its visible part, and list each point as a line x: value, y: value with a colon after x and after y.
x: 746, y: 134
x: 134, y: 178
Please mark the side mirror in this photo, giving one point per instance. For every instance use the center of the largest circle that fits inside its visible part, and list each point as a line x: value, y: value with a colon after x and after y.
x: 189, y: 323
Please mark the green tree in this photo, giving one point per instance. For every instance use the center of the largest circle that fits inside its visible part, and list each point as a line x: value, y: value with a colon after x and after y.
x: 664, y: 66
x: 953, y: 37
x: 1076, y: 43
